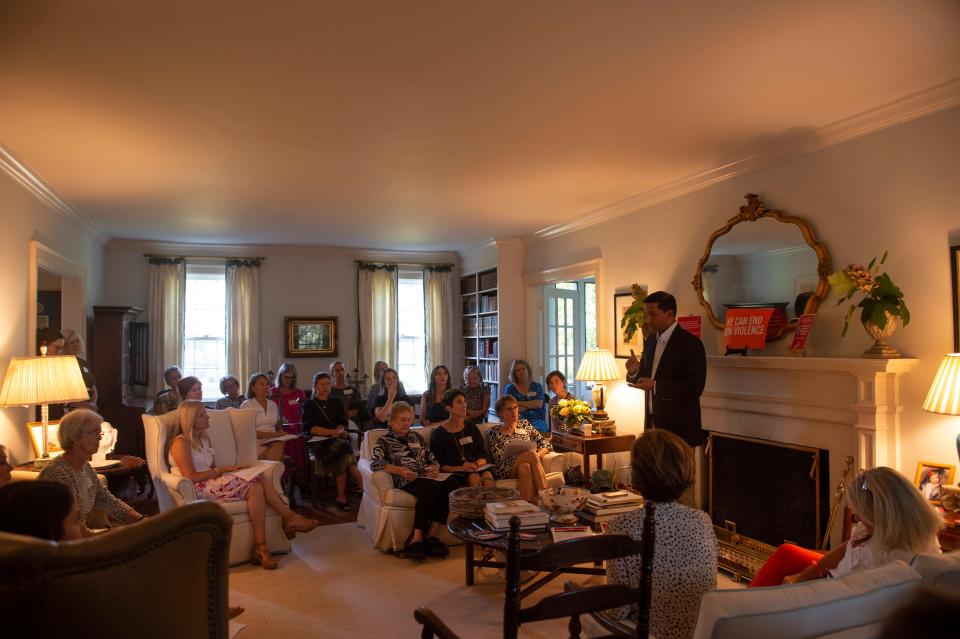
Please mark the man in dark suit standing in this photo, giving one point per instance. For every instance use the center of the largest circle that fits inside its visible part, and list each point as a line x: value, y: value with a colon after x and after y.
x: 673, y: 372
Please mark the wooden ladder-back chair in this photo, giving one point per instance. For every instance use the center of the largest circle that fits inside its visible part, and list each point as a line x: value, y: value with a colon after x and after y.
x: 573, y: 602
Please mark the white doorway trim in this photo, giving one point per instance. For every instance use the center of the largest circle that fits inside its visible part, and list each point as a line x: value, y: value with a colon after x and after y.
x: 73, y: 311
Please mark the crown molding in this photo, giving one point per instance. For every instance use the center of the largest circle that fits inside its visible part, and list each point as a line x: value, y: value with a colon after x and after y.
x: 917, y: 105
x: 26, y: 177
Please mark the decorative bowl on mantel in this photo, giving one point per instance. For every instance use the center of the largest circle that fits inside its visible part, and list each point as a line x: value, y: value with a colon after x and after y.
x: 563, y: 501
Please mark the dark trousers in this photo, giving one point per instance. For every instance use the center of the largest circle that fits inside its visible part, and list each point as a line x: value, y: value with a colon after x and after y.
x: 433, y: 500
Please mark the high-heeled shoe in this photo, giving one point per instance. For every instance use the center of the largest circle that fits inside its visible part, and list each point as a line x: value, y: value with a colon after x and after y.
x: 298, y: 523
x: 261, y: 555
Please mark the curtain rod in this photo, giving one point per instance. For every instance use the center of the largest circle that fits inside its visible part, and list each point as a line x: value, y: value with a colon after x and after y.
x: 201, y: 257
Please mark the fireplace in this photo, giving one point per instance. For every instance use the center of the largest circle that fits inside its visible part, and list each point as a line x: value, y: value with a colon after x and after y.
x: 769, y: 491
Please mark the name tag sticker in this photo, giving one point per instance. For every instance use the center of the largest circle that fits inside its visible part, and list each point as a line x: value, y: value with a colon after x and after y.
x: 293, y: 402
x: 466, y: 440
x: 415, y: 445
x: 348, y: 391
x: 532, y: 394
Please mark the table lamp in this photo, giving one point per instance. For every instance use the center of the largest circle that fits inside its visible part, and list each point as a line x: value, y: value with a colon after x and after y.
x: 944, y: 394
x: 43, y: 380
x: 598, y: 366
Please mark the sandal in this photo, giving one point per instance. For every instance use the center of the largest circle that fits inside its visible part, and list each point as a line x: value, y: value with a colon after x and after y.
x: 344, y: 506
x: 261, y: 555
x: 298, y: 523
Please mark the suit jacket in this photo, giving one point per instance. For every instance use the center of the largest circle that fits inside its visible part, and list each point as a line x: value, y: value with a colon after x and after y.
x: 680, y: 379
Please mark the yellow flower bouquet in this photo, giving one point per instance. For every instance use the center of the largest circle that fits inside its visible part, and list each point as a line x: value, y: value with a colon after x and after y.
x: 571, y: 412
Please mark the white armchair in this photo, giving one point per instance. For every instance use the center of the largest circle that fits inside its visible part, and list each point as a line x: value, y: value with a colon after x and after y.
x: 387, y: 513
x: 232, y: 435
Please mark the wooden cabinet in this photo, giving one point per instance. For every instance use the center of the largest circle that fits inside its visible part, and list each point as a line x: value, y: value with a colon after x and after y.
x: 481, y: 326
x: 111, y: 349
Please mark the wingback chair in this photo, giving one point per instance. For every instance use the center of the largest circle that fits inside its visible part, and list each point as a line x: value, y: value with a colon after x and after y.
x: 387, y: 513
x: 233, y: 437
x: 163, y: 577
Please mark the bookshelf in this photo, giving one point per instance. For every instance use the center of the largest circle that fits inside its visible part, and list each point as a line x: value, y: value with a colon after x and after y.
x: 481, y: 325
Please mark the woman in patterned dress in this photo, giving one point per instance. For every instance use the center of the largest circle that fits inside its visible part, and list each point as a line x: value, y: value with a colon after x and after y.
x: 230, y: 387
x: 191, y: 456
x: 685, y: 560
x: 526, y: 467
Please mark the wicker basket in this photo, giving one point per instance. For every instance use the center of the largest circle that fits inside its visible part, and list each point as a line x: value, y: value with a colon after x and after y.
x: 469, y: 502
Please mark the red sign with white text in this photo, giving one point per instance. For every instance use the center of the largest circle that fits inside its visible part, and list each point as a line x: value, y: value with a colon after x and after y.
x: 746, y: 327
x: 803, y: 331
x: 691, y: 324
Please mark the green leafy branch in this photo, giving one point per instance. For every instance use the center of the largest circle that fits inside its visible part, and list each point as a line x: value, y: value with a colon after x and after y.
x: 881, y: 297
x: 635, y: 316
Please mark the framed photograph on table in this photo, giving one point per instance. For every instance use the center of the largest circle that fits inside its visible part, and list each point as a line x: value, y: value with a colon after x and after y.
x: 622, y: 346
x: 933, y: 479
x: 955, y: 287
x: 310, y: 336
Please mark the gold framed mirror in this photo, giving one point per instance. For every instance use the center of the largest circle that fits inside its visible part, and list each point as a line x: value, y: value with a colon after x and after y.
x: 762, y: 258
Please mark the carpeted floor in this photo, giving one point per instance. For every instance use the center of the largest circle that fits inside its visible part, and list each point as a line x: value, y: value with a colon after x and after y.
x: 335, y: 584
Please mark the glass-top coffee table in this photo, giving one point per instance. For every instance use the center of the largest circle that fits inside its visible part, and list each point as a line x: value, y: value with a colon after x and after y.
x: 470, y: 531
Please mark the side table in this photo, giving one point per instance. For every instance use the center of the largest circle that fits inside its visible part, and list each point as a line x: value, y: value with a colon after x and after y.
x: 592, y: 445
x: 949, y: 535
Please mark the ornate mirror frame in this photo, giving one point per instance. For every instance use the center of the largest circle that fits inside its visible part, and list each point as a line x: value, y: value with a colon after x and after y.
x: 751, y: 212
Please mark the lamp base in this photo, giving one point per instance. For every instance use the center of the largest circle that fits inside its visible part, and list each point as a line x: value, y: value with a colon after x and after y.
x: 599, y: 416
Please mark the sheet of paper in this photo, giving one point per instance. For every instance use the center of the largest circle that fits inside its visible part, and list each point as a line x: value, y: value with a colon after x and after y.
x: 279, y: 438
x: 439, y: 477
x: 317, y: 438
x: 518, y: 446
x: 248, y: 473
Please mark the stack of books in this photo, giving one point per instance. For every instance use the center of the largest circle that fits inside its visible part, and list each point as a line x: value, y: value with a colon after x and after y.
x: 498, y: 513
x: 604, y: 507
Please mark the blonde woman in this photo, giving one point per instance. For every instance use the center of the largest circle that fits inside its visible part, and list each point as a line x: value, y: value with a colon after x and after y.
x: 896, y: 522
x: 191, y: 456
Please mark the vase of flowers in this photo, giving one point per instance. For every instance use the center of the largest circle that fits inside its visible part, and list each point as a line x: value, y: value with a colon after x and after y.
x: 571, y: 413
x: 881, y: 303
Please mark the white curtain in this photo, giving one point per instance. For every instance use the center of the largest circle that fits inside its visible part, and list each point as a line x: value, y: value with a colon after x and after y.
x: 441, y: 312
x: 377, y: 312
x: 168, y: 284
x: 243, y: 318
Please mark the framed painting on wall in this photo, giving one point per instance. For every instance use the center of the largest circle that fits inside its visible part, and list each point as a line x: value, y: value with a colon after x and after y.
x: 310, y: 336
x: 955, y: 287
x: 621, y: 346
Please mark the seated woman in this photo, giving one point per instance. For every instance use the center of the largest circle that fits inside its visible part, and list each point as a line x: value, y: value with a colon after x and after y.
x: 896, y: 522
x: 192, y: 457
x: 268, y: 417
x: 339, y: 389
x: 287, y: 395
x: 477, y: 395
x: 190, y: 388
x: 526, y: 467
x: 73, y: 345
x: 432, y: 410
x: 459, y: 446
x: 79, y: 437
x: 391, y: 391
x: 405, y: 455
x: 528, y: 393
x: 685, y: 554
x: 42, y: 509
x: 324, y: 417
x: 557, y: 383
x: 167, y: 400
x: 375, y: 387
x: 230, y: 387
x: 6, y: 468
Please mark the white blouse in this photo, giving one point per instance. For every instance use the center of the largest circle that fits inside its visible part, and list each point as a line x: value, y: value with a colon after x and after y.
x: 266, y: 419
x: 872, y: 554
x: 202, y: 458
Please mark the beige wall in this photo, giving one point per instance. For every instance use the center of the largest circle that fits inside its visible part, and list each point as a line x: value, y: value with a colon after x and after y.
x: 897, y: 189
x: 25, y: 218
x: 295, y: 280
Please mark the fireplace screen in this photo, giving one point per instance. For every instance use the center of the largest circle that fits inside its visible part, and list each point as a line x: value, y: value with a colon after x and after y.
x: 768, y: 491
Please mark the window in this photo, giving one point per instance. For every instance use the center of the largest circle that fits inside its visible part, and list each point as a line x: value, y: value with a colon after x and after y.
x: 411, y: 337
x: 205, y: 326
x: 570, y: 327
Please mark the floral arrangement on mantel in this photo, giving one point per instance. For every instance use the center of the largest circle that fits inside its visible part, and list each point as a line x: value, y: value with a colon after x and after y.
x: 635, y: 316
x: 571, y: 412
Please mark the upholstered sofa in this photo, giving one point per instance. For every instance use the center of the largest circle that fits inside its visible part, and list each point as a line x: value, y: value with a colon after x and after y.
x: 160, y: 578
x: 233, y: 437
x: 387, y: 513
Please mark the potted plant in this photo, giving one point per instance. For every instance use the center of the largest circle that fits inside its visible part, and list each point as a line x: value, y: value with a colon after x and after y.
x: 634, y: 318
x: 881, y: 302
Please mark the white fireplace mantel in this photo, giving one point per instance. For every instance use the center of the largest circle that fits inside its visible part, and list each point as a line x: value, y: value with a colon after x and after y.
x: 848, y: 405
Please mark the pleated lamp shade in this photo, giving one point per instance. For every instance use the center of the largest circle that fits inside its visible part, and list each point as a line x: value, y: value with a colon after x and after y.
x: 944, y: 394
x: 597, y: 365
x: 43, y: 380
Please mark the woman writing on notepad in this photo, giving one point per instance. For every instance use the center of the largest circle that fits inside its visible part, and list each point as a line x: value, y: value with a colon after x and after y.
x: 325, y: 417
x: 516, y: 449
x: 459, y: 446
x: 191, y: 456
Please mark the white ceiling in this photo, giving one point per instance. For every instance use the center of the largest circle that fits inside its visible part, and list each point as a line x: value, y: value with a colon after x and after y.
x: 428, y: 124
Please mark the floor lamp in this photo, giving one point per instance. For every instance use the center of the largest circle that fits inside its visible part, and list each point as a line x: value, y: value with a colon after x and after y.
x: 43, y: 380
x: 944, y: 394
